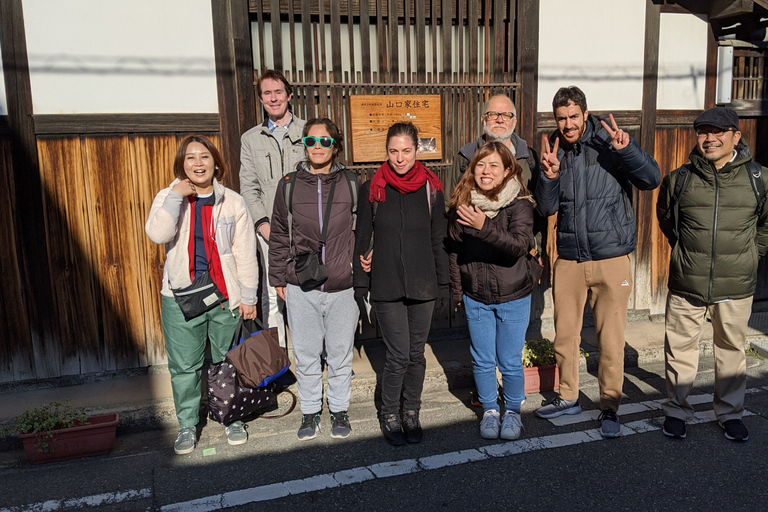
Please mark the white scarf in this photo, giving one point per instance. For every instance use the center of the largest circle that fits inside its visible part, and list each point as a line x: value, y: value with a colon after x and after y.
x: 506, y: 196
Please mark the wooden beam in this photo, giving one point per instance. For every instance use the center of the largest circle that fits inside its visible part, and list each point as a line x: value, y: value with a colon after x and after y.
x: 86, y: 124
x: 234, y: 79
x: 528, y: 69
x: 719, y: 9
x: 710, y: 79
x: 650, y: 76
x: 30, y: 226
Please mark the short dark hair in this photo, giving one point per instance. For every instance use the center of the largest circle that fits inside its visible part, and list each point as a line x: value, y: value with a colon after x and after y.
x: 333, y: 131
x: 219, y: 171
x: 404, y: 129
x: 566, y: 95
x: 271, y: 74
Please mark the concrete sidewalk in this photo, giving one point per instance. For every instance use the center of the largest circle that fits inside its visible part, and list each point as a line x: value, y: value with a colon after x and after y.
x: 145, y: 401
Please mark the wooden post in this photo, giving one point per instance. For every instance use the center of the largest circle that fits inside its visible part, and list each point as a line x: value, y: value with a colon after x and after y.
x: 528, y: 69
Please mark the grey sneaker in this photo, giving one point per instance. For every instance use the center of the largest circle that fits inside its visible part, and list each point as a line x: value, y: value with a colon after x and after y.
x: 609, y: 424
x: 511, y: 426
x: 236, y: 433
x: 558, y: 407
x: 185, y: 440
x: 490, y: 424
x: 310, y: 423
x: 340, y: 427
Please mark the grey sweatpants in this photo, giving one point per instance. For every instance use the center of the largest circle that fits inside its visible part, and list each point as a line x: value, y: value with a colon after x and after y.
x: 314, y: 317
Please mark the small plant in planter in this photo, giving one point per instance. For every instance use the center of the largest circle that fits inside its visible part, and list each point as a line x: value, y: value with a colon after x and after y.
x: 541, y: 373
x: 56, y: 431
x: 42, y: 420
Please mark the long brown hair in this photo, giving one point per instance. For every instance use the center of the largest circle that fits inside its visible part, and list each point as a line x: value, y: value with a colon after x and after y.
x: 462, y: 194
x: 220, y: 169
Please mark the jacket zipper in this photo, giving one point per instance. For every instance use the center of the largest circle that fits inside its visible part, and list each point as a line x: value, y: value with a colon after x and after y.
x: 714, y: 235
x: 575, y: 215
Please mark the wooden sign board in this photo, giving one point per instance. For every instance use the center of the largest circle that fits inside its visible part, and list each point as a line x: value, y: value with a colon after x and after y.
x: 372, y: 116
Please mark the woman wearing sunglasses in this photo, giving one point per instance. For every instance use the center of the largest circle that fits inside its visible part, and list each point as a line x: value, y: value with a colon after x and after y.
x: 491, y: 231
x: 206, y: 229
x: 322, y: 317
x: 400, y: 259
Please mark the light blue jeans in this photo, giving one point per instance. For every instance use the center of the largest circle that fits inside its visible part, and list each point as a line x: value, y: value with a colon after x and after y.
x: 497, y: 333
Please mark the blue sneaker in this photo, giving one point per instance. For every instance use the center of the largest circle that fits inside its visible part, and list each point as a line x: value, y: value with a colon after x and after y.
x: 557, y: 407
x: 310, y: 424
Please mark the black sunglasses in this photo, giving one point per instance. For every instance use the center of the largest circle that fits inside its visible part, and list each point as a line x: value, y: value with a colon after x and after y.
x: 310, y: 142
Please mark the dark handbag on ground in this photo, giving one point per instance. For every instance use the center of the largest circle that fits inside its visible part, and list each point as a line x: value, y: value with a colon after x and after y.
x: 309, y: 267
x: 228, y: 401
x: 257, y: 355
x: 199, y: 297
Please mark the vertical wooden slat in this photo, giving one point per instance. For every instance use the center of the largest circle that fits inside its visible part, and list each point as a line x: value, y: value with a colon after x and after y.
x: 472, y: 17
x: 277, y: 34
x: 292, y: 29
x: 384, y: 49
x: 527, y: 70
x: 323, y: 77
x: 501, y: 45
x: 392, y: 40
x: 365, y: 40
x: 351, y: 33
x: 260, y: 35
x: 420, y: 36
x: 73, y: 275
x: 407, y: 35
x: 306, y: 36
x: 336, y: 41
x: 433, y: 37
x: 111, y: 205
x: 710, y: 81
x: 513, y: 45
x: 446, y: 24
x: 460, y: 68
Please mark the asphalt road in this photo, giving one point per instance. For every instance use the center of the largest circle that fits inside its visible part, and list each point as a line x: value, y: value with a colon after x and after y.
x: 559, y: 467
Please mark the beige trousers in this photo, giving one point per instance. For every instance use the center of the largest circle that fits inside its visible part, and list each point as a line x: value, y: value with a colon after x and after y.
x: 683, y: 320
x: 608, y: 284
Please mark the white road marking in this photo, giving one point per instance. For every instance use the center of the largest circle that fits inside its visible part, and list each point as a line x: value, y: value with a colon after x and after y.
x: 96, y: 500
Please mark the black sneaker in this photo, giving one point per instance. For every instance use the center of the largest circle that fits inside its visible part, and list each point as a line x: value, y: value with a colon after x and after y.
x: 412, y: 427
x: 310, y: 424
x: 392, y: 430
x: 674, y: 427
x: 735, y: 430
x: 340, y: 427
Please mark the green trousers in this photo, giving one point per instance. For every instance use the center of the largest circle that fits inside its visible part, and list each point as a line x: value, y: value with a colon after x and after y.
x: 185, y: 346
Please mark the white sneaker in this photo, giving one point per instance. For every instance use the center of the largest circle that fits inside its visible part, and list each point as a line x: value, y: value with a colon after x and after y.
x: 511, y: 426
x: 490, y: 424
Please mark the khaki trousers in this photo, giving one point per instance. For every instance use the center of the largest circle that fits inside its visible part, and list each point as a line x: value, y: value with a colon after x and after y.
x: 683, y: 320
x: 608, y: 284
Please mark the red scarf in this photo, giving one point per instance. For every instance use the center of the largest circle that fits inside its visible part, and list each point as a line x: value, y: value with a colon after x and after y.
x: 409, y: 182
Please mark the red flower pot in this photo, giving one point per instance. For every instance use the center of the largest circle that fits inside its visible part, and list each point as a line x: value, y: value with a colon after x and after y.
x: 541, y: 378
x: 96, y: 438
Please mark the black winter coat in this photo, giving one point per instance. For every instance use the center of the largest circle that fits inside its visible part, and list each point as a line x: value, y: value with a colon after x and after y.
x: 592, y: 195
x: 409, y: 257
x: 491, y: 265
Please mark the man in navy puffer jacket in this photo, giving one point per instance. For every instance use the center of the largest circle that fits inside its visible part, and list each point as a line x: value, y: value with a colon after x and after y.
x: 588, y: 170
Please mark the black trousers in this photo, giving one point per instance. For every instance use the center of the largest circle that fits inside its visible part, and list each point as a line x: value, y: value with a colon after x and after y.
x: 404, y: 327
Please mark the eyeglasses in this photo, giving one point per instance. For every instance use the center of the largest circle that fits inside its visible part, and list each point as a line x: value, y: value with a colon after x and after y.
x: 717, y: 132
x: 310, y: 142
x: 506, y: 116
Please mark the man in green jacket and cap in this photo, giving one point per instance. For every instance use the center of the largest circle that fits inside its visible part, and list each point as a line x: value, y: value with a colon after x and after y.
x: 717, y: 228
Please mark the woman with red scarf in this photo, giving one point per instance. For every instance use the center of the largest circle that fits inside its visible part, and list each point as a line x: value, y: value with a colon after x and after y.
x: 401, y: 212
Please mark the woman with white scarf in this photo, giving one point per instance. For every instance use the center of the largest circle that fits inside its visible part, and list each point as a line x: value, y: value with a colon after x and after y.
x: 492, y: 275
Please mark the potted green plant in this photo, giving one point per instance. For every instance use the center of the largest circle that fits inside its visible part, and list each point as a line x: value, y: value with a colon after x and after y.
x: 56, y: 431
x: 541, y: 373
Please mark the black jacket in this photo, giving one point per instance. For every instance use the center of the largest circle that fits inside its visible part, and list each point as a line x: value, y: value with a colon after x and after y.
x: 409, y: 257
x: 491, y: 264
x: 592, y: 195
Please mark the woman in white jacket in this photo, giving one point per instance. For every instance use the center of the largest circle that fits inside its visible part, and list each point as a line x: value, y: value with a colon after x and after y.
x: 205, y: 227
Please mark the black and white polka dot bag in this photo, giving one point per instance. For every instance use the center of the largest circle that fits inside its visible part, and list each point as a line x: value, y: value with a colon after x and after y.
x: 228, y: 402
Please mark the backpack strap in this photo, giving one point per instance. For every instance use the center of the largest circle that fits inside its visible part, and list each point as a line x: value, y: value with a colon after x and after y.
x: 683, y: 176
x: 290, y: 179
x: 352, y: 182
x: 755, y: 172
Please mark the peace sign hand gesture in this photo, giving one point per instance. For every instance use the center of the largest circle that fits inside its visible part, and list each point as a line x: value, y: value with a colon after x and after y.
x: 549, y: 161
x: 619, y: 138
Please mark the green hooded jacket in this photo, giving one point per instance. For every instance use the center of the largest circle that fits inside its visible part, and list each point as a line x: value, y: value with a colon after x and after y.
x: 720, y: 239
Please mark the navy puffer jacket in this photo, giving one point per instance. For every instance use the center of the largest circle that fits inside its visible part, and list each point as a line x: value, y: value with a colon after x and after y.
x: 592, y: 194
